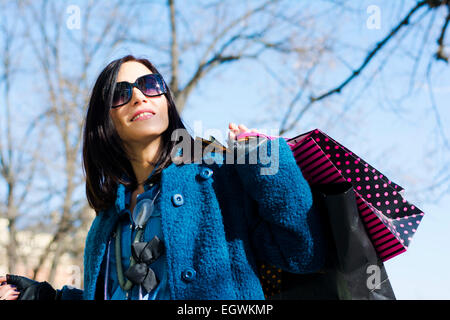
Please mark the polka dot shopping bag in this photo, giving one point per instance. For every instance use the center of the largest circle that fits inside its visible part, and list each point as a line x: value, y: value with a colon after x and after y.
x: 389, y: 219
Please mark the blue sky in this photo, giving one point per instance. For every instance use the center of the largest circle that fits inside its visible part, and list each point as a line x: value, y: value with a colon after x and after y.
x: 376, y: 117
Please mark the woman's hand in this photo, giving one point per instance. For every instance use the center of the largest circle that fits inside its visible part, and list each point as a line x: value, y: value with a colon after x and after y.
x: 30, y: 289
x: 7, y: 291
x: 237, y: 130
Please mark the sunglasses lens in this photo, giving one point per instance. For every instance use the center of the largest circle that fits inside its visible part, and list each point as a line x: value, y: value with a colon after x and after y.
x: 151, y: 85
x: 122, y: 94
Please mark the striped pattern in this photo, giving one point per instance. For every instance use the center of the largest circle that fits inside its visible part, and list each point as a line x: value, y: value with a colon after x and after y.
x: 313, y: 162
x: 380, y: 232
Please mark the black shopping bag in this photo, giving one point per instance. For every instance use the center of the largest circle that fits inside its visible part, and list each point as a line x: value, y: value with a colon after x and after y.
x: 353, y: 270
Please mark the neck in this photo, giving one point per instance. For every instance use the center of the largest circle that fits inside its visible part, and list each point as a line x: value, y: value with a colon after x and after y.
x: 143, y: 159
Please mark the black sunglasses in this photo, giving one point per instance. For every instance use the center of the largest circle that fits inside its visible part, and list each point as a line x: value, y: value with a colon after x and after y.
x: 151, y: 85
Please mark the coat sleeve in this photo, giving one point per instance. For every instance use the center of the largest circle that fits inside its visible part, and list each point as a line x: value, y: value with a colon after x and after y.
x: 70, y: 293
x: 286, y: 229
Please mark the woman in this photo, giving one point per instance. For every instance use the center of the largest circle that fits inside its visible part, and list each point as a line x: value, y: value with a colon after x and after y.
x: 210, y: 223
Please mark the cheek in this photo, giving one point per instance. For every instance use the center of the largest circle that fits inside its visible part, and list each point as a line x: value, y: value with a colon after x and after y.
x: 164, y: 114
x: 118, y: 124
x: 166, y: 118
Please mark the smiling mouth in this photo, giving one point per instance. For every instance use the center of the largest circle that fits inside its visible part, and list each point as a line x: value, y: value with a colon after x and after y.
x: 143, y: 116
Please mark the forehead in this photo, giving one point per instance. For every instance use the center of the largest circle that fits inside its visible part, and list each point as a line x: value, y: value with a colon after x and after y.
x: 131, y: 70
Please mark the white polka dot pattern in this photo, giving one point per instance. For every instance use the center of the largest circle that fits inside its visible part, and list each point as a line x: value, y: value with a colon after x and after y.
x: 390, y: 220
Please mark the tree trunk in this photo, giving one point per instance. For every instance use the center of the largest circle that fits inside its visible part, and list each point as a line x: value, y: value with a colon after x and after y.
x: 55, y: 261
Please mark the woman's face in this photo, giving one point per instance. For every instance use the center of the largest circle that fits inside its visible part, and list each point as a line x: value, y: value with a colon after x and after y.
x: 132, y: 130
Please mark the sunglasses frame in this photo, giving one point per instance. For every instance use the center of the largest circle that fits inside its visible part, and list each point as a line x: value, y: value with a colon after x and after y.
x: 130, y: 87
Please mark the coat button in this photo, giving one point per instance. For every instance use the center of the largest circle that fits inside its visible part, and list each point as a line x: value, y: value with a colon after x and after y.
x: 206, y: 173
x: 177, y: 199
x: 188, y: 275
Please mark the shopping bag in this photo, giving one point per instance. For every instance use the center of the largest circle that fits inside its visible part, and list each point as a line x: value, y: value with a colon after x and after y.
x: 389, y: 219
x: 352, y: 270
x: 359, y: 235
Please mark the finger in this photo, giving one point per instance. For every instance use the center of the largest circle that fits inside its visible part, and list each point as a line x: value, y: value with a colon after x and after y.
x: 243, y: 127
x: 4, y: 287
x: 11, y: 295
x: 233, y: 127
x: 2, y: 279
x: 8, y: 286
x: 9, y: 292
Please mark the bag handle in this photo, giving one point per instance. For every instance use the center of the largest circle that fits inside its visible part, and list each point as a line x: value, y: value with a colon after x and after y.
x: 254, y: 134
x: 244, y: 135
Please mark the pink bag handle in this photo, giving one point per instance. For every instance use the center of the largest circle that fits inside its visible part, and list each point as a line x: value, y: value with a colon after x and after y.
x: 254, y: 134
x: 258, y: 134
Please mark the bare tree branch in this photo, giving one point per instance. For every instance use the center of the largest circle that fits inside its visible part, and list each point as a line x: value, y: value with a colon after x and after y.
x: 174, y: 53
x: 419, y: 55
x: 404, y: 22
x: 440, y: 54
x: 434, y: 107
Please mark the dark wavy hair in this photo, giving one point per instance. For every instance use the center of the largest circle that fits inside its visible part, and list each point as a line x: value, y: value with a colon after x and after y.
x: 105, y: 160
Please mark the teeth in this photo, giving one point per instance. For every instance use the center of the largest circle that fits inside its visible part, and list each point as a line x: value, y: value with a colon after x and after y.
x: 140, y: 115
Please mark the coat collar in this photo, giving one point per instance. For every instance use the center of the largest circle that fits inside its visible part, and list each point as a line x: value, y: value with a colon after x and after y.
x: 123, y: 197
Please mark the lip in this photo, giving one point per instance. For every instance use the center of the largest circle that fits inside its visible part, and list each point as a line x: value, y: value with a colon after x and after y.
x: 142, y: 111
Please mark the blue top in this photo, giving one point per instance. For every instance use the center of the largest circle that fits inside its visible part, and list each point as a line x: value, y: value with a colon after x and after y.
x: 112, y: 288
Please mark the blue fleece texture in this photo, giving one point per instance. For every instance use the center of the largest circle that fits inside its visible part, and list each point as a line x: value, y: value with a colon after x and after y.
x: 226, y: 225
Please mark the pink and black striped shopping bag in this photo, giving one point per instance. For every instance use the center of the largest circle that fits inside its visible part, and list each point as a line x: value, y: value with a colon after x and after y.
x: 390, y: 220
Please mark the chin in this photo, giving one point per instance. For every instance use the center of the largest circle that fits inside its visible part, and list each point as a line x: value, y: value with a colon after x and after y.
x: 145, y: 133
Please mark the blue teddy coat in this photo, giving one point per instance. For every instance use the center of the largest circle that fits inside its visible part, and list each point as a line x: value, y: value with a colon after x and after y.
x: 218, y: 225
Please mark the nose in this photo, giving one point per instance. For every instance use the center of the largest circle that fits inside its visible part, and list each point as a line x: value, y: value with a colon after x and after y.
x: 138, y: 96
